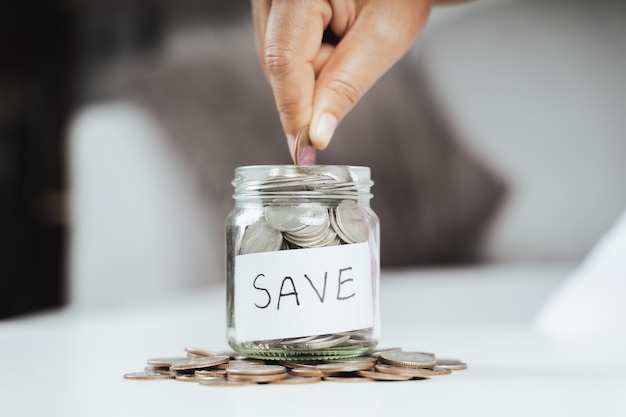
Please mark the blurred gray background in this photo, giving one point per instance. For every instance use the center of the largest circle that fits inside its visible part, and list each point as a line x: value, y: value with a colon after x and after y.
x: 499, y: 138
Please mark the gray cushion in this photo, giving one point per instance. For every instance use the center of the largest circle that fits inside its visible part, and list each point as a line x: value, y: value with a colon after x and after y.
x: 434, y: 199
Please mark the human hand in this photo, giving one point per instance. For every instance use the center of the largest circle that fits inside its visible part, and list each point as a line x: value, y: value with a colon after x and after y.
x: 317, y: 82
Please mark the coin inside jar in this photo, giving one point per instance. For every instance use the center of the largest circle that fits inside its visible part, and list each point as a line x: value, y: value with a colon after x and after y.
x: 261, y: 237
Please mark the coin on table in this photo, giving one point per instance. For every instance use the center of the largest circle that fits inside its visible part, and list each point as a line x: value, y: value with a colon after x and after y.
x: 357, y: 359
x: 344, y: 366
x: 261, y: 378
x: 164, y: 362
x: 152, y: 368
x: 299, y: 364
x: 200, y: 362
x: 233, y: 355
x: 240, y: 362
x: 186, y: 378
x: 347, y: 379
x: 304, y: 152
x: 297, y: 380
x: 221, y: 382
x: 452, y: 364
x: 383, y: 376
x: 407, y: 359
x: 261, y: 237
x: 306, y: 372
x: 200, y: 352
x: 414, y: 372
x: 256, y: 370
x: 377, y: 352
x: 148, y: 375
x: 214, y: 373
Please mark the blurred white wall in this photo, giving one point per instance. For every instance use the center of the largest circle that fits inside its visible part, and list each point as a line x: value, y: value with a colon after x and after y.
x: 537, y: 90
x: 139, y: 228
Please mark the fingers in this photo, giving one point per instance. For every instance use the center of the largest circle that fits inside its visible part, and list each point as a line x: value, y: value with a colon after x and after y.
x: 381, y: 34
x: 317, y: 83
x: 293, y: 35
x: 323, y: 55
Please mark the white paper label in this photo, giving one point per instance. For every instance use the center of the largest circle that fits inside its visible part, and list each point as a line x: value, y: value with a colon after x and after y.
x: 303, y: 292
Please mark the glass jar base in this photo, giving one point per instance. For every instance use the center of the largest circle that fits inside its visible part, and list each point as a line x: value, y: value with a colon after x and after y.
x: 306, y: 355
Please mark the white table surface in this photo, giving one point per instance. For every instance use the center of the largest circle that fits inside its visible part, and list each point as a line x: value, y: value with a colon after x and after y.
x: 71, y: 362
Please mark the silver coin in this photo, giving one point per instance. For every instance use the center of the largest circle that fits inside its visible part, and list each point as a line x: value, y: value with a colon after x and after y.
x: 407, y: 359
x: 210, y: 378
x: 298, y: 364
x: 377, y: 352
x: 297, y: 340
x: 255, y: 370
x: 297, y: 380
x: 233, y: 355
x: 261, y: 378
x: 414, y: 372
x: 164, y: 362
x: 261, y: 237
x: 186, y: 378
x: 323, y: 343
x: 148, y: 376
x: 263, y: 344
x: 346, y: 379
x: 213, y: 373
x: 311, y: 234
x: 294, y: 218
x: 222, y: 382
x: 351, y: 221
x: 325, y: 237
x: 239, y: 362
x: 345, y: 366
x: 195, y: 363
x: 200, y: 352
x: 452, y: 364
x: 152, y: 368
x: 308, y: 372
x: 382, y: 376
x: 357, y: 360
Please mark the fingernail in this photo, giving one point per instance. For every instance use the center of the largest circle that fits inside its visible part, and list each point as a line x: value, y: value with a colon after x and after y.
x: 322, y: 130
x: 291, y: 143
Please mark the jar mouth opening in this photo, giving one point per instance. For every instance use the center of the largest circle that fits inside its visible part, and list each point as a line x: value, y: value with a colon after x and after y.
x: 311, y: 181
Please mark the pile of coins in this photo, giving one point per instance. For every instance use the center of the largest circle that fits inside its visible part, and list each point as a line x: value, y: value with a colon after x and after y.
x: 305, y: 225
x: 211, y: 368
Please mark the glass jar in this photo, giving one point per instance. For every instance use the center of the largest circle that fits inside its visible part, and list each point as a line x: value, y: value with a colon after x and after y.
x: 302, y: 263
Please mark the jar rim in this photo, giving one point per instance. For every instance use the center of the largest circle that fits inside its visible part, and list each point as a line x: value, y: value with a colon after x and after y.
x: 323, y: 181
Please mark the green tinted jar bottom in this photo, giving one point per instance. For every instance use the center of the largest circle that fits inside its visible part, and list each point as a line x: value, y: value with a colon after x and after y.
x: 344, y: 352
x: 316, y: 347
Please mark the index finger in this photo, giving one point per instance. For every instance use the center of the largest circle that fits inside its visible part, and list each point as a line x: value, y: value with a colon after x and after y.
x: 293, y: 36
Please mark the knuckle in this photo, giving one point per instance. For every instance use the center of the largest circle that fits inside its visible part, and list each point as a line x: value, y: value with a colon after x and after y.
x: 278, y: 60
x: 288, y: 110
x: 345, y: 90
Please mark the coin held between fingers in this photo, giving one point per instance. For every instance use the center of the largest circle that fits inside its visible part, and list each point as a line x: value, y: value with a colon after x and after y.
x: 304, y: 152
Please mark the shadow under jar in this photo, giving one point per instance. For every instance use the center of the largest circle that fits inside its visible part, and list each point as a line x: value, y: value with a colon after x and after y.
x: 302, y: 263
